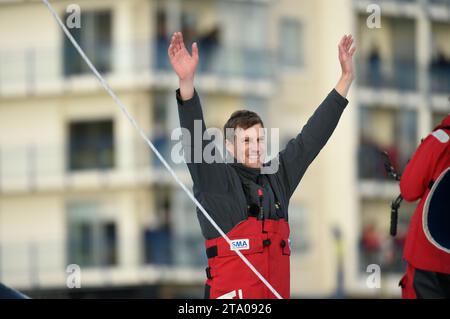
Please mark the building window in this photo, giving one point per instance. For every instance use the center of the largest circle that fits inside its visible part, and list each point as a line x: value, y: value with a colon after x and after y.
x: 91, y: 145
x: 243, y: 42
x: 439, y: 68
x: 189, y: 247
x: 92, y: 235
x: 290, y: 48
x: 383, y: 129
x: 388, y: 61
x: 158, y: 236
x: 162, y: 41
x: 94, y: 37
x: 160, y: 133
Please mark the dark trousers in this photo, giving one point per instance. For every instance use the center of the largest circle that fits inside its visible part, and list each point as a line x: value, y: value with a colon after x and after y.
x: 423, y: 284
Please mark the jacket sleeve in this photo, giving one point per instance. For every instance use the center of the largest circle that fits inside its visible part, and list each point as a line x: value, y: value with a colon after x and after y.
x: 207, y: 177
x: 302, y: 150
x: 418, y: 173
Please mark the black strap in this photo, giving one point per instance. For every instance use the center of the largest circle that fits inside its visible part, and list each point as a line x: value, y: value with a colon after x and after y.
x: 266, y: 242
x: 253, y: 203
x: 207, y: 291
x: 278, y: 209
x: 211, y: 252
x: 208, y: 273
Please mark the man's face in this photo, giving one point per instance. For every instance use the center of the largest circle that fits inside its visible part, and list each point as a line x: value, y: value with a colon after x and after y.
x: 249, y: 146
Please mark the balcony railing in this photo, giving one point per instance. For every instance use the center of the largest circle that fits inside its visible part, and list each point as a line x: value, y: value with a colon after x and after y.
x: 400, y: 75
x: 27, y: 167
x: 33, y: 68
x: 44, y: 262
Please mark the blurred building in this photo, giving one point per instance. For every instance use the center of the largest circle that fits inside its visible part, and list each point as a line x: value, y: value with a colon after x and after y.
x: 403, y: 86
x: 79, y: 186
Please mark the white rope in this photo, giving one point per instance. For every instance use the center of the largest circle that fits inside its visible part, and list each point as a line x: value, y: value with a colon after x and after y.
x: 144, y: 136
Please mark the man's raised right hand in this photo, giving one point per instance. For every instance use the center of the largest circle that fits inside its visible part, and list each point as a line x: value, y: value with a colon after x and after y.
x: 182, y: 62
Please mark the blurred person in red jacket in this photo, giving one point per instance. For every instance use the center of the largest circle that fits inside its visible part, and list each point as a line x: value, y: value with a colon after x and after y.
x: 427, y: 248
x: 371, y: 243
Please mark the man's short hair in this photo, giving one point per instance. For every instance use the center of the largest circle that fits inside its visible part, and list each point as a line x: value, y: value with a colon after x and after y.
x: 243, y: 119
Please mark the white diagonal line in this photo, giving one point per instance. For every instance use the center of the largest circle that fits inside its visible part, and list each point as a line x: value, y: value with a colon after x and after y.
x: 124, y: 110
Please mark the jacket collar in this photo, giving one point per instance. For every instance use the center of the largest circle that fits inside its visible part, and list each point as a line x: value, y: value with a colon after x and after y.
x: 248, y: 172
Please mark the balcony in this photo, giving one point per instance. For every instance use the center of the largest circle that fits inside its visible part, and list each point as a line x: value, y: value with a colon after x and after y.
x: 439, y: 68
x: 224, y: 61
x: 49, y: 70
x: 399, y: 75
x: 26, y: 168
x: 34, y: 265
x: 384, y: 129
